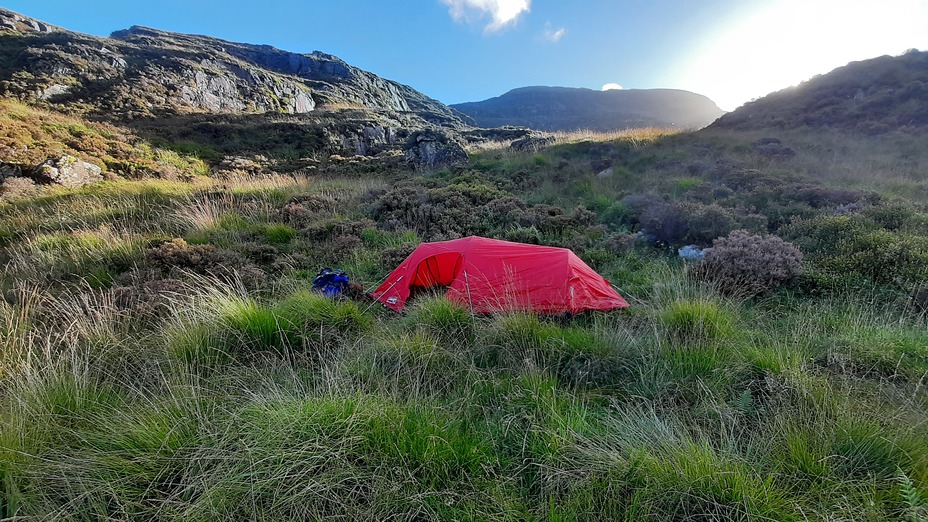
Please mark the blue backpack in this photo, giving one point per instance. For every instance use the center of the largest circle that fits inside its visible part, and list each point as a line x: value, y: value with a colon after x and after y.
x: 331, y: 282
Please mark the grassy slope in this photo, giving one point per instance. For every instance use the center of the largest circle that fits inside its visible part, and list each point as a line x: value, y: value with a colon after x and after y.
x: 31, y: 135
x: 200, y: 379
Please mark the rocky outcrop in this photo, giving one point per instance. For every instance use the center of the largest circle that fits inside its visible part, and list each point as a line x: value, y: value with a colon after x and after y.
x: 369, y: 140
x: 432, y: 149
x: 69, y: 172
x: 10, y: 21
x: 141, y: 72
x: 233, y: 100
x: 532, y: 143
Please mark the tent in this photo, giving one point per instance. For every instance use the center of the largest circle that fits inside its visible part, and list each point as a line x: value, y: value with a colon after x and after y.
x: 489, y: 275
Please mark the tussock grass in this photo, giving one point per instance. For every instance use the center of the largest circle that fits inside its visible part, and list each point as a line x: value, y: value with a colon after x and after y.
x: 241, y: 400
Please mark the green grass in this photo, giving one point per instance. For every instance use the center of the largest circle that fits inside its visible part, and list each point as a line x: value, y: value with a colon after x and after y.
x: 192, y: 389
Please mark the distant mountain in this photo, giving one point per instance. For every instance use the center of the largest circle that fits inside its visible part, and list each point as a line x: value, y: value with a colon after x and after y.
x: 143, y: 72
x: 566, y: 108
x: 869, y: 96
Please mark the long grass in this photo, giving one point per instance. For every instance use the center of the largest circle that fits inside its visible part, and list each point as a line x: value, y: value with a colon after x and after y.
x: 236, y: 399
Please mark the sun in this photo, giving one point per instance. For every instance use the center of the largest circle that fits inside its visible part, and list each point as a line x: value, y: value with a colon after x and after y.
x: 789, y: 41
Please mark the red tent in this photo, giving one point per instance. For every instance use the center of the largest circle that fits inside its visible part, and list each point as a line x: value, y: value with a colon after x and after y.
x: 490, y: 275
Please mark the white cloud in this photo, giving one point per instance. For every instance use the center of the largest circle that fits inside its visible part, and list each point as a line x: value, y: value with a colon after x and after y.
x: 554, y: 35
x: 612, y: 87
x: 500, y: 12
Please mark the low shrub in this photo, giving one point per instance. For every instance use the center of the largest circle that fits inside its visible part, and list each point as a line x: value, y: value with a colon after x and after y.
x: 853, y: 248
x: 746, y: 265
x: 392, y: 257
x: 178, y: 253
x: 686, y: 223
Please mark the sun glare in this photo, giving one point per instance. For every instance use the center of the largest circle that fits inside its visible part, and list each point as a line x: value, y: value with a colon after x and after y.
x: 789, y: 41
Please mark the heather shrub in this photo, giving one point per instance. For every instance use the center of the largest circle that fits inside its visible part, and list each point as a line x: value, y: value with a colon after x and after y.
x: 432, y: 213
x: 178, y: 253
x: 303, y: 209
x: 674, y: 224
x: 842, y: 248
x: 748, y: 265
x: 518, y: 234
x: 149, y: 298
x: 664, y: 223
x: 392, y: 257
x: 335, y: 228
x: 705, y: 223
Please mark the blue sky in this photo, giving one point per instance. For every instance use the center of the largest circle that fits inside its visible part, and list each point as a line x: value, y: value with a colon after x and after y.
x: 467, y: 50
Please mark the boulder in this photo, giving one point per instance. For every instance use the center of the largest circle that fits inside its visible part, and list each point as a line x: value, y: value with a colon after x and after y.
x: 52, y: 91
x: 10, y: 170
x: 532, y: 143
x: 433, y: 149
x: 607, y: 173
x: 68, y: 171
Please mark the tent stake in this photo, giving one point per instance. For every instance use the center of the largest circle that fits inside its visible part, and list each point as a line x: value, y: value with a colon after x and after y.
x: 473, y: 317
x: 400, y: 278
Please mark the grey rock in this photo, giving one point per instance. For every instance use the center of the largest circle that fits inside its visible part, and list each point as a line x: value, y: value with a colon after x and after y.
x: 532, y: 143
x: 53, y: 90
x: 367, y: 140
x: 10, y: 170
x: 605, y: 173
x: 301, y: 103
x: 433, y: 149
x: 69, y: 171
x: 211, y: 92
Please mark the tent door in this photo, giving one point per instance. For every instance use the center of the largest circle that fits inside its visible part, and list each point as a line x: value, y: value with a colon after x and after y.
x: 438, y: 270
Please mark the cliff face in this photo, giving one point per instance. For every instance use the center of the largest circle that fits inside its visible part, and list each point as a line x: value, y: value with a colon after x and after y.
x: 143, y: 72
x: 566, y: 109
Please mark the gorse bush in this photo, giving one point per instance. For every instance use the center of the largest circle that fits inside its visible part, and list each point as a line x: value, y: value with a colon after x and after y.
x: 747, y: 265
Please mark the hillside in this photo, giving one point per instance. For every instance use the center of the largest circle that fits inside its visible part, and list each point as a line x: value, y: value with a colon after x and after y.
x: 870, y: 96
x: 206, y: 99
x: 567, y: 109
x: 142, y: 72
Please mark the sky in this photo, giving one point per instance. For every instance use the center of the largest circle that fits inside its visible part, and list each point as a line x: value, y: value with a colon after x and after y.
x: 732, y: 51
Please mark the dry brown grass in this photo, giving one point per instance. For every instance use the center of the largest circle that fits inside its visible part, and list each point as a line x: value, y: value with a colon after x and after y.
x: 637, y: 136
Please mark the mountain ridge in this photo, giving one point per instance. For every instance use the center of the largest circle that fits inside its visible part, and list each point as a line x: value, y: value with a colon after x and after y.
x: 142, y: 71
x: 554, y: 108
